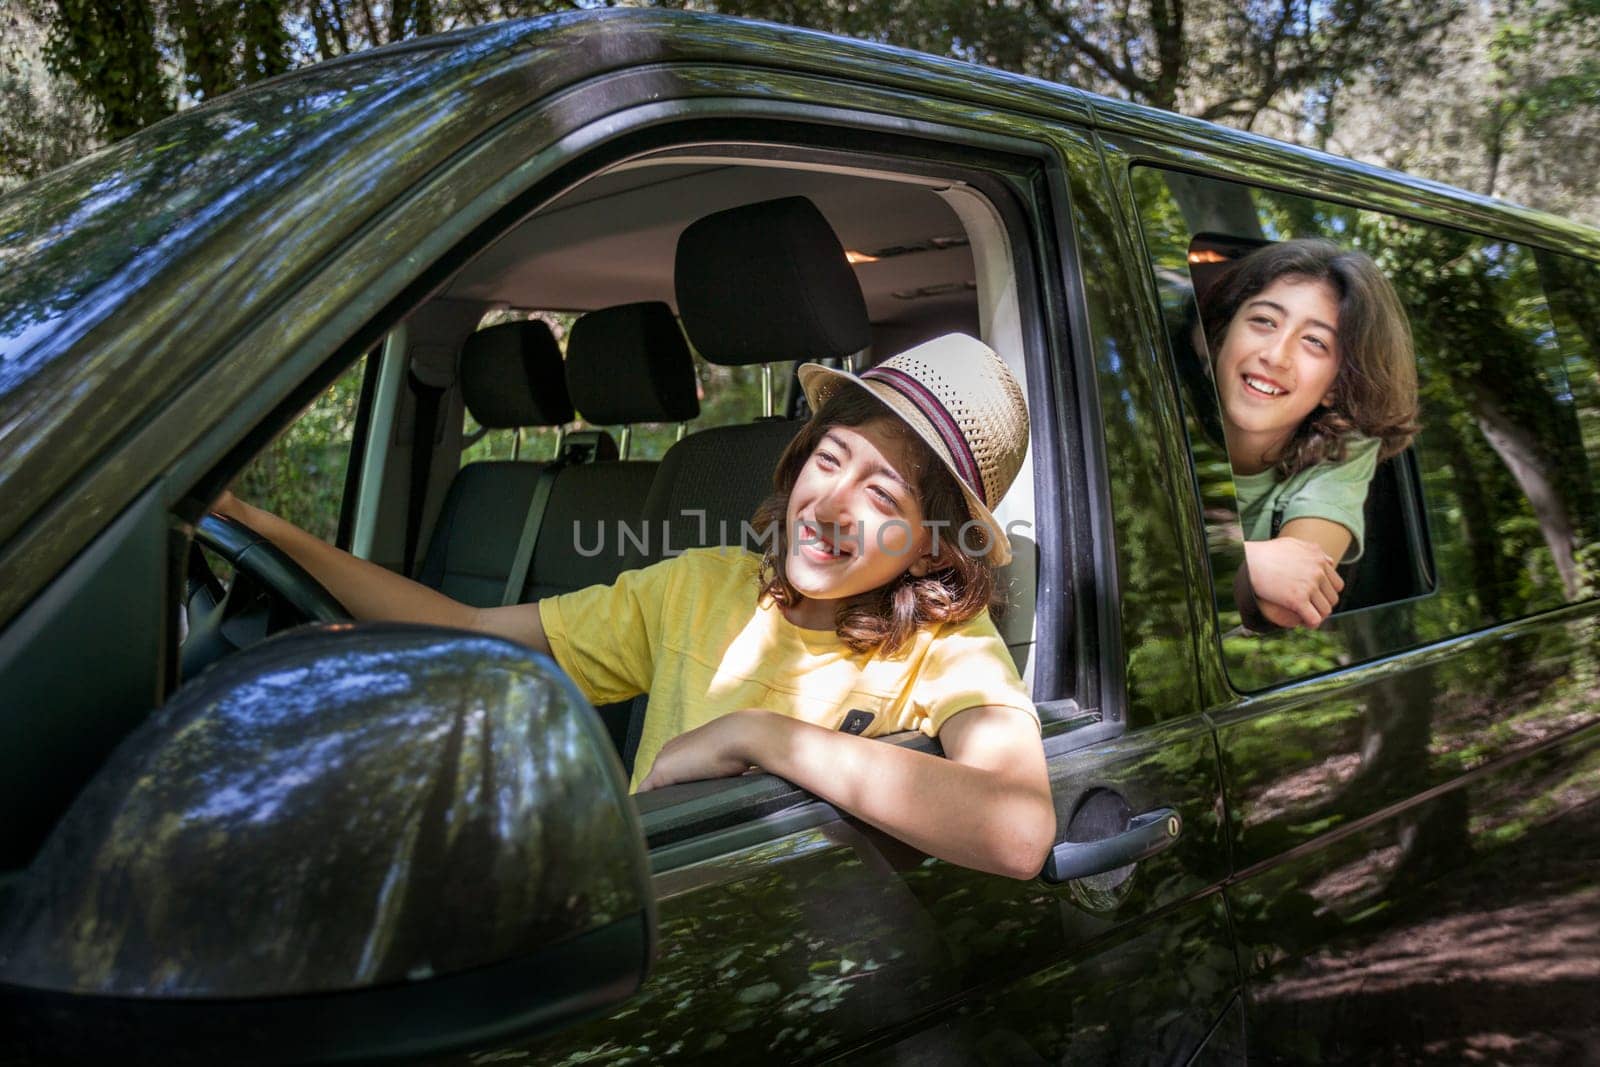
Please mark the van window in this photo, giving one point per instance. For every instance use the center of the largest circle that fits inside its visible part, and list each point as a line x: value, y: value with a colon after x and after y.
x: 1572, y: 287
x: 301, y: 474
x: 1491, y: 513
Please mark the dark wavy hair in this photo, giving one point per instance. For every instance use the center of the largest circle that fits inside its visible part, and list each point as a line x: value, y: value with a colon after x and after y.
x: 957, y: 587
x: 1375, y: 391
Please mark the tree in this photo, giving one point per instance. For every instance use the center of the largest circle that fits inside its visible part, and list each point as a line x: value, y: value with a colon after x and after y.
x: 228, y: 44
x: 1229, y: 62
x: 108, y: 49
x: 1511, y: 111
x: 133, y: 62
x: 1212, y: 59
x: 45, y: 123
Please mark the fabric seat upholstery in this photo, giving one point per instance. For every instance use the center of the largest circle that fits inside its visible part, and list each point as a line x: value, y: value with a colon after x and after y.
x: 511, y: 377
x: 625, y: 365
x: 761, y: 283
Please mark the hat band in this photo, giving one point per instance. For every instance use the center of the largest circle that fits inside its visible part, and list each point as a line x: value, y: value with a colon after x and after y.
x: 944, y: 425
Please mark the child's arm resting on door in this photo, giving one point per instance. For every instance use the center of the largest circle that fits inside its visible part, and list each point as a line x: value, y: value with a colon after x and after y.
x: 1293, y: 575
x: 986, y: 806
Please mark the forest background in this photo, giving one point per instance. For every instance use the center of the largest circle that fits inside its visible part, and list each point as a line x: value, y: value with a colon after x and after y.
x: 1501, y: 97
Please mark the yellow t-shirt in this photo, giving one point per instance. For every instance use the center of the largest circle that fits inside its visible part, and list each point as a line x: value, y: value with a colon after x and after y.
x: 690, y: 632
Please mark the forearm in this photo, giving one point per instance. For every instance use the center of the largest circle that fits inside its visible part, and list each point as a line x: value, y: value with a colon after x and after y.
x: 1330, y: 536
x: 1250, y: 608
x: 366, y: 589
x: 992, y: 820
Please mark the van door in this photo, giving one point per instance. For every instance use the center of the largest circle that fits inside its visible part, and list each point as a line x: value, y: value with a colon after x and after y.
x: 788, y: 931
x: 1412, y: 788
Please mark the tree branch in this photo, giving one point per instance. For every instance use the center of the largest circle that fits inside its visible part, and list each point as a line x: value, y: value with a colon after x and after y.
x: 1062, y: 26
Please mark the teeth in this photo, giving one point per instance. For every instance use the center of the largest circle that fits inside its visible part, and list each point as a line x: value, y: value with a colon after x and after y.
x: 1264, y: 387
x: 822, y: 540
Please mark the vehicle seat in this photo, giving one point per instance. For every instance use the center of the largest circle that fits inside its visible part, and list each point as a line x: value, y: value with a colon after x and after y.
x: 625, y: 365
x: 511, y: 377
x: 762, y: 283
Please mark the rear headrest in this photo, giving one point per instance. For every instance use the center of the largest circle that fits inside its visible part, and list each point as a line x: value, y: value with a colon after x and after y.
x: 511, y: 376
x: 768, y: 282
x: 631, y: 364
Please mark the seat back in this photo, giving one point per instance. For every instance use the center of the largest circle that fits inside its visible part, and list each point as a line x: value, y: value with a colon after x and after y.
x: 765, y: 282
x: 511, y: 378
x: 761, y: 283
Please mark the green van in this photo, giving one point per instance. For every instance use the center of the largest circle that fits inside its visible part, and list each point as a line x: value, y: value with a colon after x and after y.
x: 1375, y: 841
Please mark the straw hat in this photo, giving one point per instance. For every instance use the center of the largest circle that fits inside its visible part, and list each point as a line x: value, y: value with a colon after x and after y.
x: 956, y: 395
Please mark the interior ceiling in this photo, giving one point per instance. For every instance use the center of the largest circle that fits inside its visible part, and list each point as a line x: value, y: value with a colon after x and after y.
x: 611, y: 241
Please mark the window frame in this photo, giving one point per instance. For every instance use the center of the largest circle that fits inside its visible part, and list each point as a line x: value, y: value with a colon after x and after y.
x: 1008, y: 171
x: 691, y: 822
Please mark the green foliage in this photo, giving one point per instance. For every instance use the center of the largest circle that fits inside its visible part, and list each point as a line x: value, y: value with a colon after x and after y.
x: 300, y: 475
x: 43, y: 123
x: 230, y: 43
x: 1532, y: 94
x: 108, y: 48
x: 1217, y: 60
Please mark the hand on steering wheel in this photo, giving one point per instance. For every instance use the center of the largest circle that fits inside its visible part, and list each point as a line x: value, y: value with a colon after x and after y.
x: 270, y: 592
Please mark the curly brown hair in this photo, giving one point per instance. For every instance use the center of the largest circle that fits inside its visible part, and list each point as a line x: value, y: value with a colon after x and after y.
x: 958, y: 587
x: 1375, y: 391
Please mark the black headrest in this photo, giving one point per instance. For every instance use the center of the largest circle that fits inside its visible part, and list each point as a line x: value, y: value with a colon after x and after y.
x: 631, y: 364
x: 511, y: 376
x: 768, y: 282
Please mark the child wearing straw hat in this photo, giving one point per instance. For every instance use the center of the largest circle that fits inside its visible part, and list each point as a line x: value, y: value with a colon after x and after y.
x: 865, y: 612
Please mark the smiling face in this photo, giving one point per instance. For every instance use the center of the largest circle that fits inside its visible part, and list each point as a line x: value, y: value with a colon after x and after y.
x: 1276, y: 365
x: 854, y: 518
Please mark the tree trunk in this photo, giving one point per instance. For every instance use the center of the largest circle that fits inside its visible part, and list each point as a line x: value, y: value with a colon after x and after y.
x: 1532, y: 469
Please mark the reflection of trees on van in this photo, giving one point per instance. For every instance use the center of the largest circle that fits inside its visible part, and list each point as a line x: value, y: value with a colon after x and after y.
x: 1572, y: 290
x: 1493, y: 377
x: 222, y: 157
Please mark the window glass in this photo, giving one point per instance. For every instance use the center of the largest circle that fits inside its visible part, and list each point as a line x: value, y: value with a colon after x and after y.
x: 301, y: 474
x: 1572, y: 287
x: 1491, y: 513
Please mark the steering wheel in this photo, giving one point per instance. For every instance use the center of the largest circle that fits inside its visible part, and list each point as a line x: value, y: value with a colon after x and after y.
x: 270, y: 592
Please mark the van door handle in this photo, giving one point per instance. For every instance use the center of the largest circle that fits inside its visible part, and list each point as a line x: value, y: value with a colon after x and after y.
x: 1145, y: 836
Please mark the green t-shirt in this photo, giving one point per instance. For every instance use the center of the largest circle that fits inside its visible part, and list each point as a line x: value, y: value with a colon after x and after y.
x: 1333, y: 491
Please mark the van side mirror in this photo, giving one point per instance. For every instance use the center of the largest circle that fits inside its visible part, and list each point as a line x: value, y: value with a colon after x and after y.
x: 345, y: 842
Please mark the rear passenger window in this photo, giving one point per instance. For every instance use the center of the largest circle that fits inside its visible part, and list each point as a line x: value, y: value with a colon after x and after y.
x: 1491, y: 514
